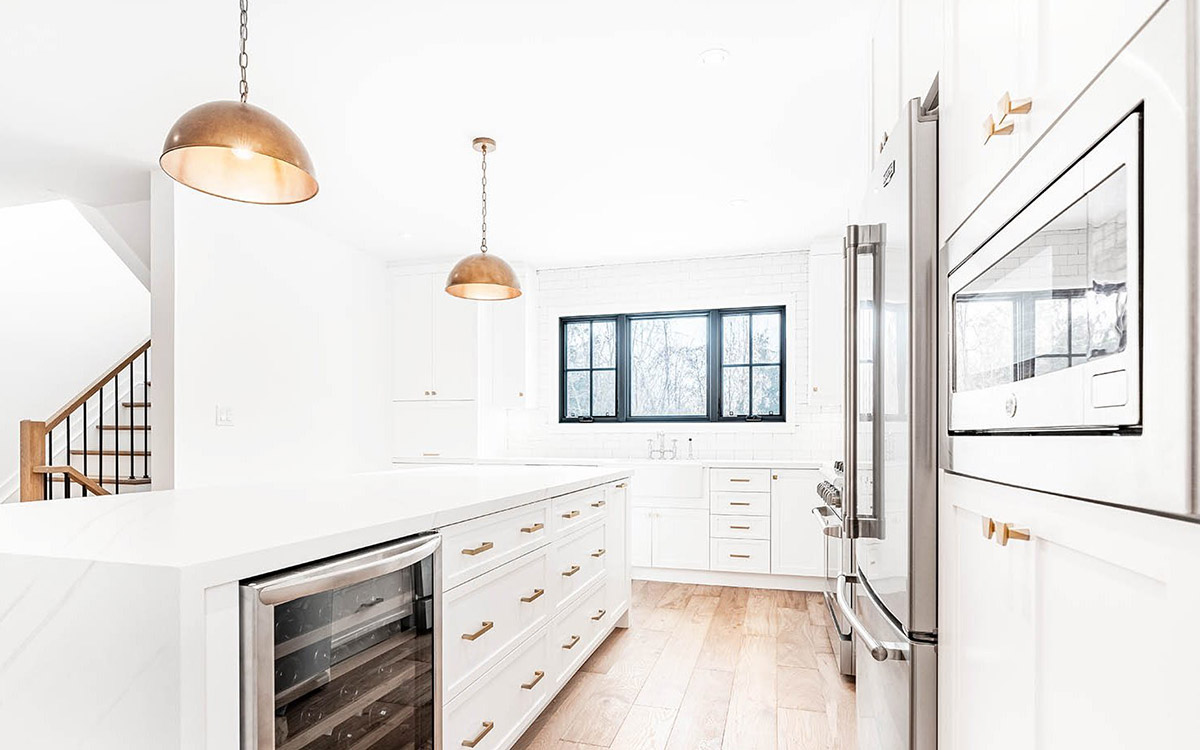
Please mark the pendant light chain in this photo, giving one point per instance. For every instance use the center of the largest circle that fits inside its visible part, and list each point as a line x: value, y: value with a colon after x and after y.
x: 483, y: 243
x: 243, y: 58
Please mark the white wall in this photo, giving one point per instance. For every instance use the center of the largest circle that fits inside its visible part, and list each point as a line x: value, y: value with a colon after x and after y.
x: 70, y: 310
x: 285, y: 326
x: 766, y: 279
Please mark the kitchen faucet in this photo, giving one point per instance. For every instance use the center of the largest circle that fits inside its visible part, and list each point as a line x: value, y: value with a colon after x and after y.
x: 661, y: 452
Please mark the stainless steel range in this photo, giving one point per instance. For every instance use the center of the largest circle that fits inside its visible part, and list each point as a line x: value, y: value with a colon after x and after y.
x: 839, y: 557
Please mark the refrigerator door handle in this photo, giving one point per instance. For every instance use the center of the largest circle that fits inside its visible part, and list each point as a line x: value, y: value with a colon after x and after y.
x: 879, y: 651
x: 858, y: 236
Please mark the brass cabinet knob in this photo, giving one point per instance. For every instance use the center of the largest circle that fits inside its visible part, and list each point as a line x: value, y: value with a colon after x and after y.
x: 487, y: 727
x: 1005, y: 532
x: 1009, y: 106
x: 472, y: 636
x: 989, y: 527
x: 993, y: 128
x: 621, y: 486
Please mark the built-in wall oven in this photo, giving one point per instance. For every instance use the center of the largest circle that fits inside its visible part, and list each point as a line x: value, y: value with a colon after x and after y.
x: 1070, y: 297
x: 341, y: 653
x: 839, y: 559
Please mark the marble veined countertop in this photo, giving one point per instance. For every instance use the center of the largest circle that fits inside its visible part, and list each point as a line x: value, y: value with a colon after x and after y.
x: 219, y: 534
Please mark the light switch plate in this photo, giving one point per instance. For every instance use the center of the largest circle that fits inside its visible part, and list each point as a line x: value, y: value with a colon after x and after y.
x: 224, y: 416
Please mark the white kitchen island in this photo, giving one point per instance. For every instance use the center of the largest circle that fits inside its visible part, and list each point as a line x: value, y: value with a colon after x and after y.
x: 119, y: 616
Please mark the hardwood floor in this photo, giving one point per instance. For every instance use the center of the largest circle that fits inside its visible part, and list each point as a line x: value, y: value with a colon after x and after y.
x: 706, y: 668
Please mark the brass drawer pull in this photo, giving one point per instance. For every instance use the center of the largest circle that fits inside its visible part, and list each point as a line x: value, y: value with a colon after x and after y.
x: 738, y: 502
x: 989, y: 527
x: 481, y: 548
x: 533, y: 528
x: 992, y: 128
x: 599, y: 553
x: 598, y: 504
x: 1006, y: 532
x: 537, y: 677
x: 599, y: 615
x: 472, y: 636
x: 571, y: 645
x: 572, y: 514
x: 740, y: 528
x: 568, y: 573
x: 537, y: 594
x: 743, y: 557
x: 621, y: 486
x: 487, y: 727
x: 739, y: 480
x: 775, y: 477
x: 1009, y: 106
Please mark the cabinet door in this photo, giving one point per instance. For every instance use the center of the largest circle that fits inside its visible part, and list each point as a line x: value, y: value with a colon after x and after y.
x: 981, y: 63
x: 1064, y: 54
x: 412, y: 337
x: 641, y: 534
x: 616, y: 497
x: 797, y: 544
x: 427, y: 429
x: 885, y: 74
x: 455, y: 356
x: 508, y: 355
x: 680, y: 538
x: 825, y: 361
x: 987, y: 616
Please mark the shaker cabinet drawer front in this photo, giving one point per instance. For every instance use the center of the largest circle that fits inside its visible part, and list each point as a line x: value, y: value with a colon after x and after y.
x: 740, y: 480
x: 577, y: 509
x: 579, y: 629
x: 492, y: 712
x: 741, y: 527
x: 474, y: 547
x: 577, y: 562
x: 746, y: 555
x: 485, y: 618
x: 740, y: 503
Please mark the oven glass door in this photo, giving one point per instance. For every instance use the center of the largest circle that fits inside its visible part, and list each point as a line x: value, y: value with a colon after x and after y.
x: 1047, y: 334
x: 352, y: 666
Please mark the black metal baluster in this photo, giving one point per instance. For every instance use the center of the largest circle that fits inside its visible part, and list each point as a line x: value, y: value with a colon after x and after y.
x: 132, y: 442
x: 146, y: 414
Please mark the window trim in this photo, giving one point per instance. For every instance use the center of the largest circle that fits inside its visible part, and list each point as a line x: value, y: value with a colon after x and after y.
x: 715, y: 367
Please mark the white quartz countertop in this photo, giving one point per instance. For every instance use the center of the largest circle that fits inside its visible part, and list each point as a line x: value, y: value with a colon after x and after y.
x: 220, y: 534
x: 560, y: 461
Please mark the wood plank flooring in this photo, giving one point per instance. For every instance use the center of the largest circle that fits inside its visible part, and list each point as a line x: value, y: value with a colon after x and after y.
x: 706, y: 668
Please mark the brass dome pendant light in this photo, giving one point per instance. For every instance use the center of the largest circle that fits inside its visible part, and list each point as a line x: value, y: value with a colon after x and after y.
x: 238, y: 151
x: 483, y: 276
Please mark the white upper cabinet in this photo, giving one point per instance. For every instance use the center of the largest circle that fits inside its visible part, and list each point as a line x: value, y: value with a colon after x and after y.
x: 511, y: 343
x: 825, y: 334
x: 434, y: 335
x: 1046, y: 51
x: 885, y: 74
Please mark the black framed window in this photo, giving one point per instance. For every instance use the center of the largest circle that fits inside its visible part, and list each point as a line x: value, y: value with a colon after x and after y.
x: 685, y: 366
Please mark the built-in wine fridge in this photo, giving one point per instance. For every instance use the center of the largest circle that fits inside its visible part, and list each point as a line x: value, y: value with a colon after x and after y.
x: 339, y: 654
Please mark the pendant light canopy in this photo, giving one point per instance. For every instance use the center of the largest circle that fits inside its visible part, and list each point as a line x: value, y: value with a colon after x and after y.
x: 235, y: 150
x: 481, y: 275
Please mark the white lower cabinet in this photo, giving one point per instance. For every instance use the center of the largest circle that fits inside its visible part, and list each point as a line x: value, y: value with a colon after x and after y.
x: 529, y: 594
x: 798, y: 547
x: 679, y: 538
x: 1077, y: 636
x: 745, y: 555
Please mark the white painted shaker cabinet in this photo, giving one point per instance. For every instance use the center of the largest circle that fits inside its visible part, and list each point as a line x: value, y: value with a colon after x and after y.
x: 434, y: 340
x: 1078, y: 636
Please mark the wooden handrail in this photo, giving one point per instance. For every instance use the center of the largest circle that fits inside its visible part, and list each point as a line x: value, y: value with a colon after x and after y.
x: 91, y: 390
x: 75, y: 475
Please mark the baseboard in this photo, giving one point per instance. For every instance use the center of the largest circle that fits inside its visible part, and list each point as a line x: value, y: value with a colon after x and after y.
x: 729, y: 578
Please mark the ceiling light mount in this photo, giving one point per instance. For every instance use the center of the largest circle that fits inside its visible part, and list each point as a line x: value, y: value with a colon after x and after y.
x: 483, y: 276
x: 236, y: 150
x: 714, y: 56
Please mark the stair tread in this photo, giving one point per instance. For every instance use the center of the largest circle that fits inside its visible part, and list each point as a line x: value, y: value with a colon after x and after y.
x: 91, y: 452
x: 124, y: 480
x: 124, y: 427
x: 135, y: 404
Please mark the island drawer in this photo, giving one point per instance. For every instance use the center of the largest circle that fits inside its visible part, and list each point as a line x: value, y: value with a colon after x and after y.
x: 580, y: 628
x: 494, y: 710
x: 474, y: 547
x: 740, y: 503
x: 577, y: 562
x: 578, y: 509
x: 484, y: 618
x: 740, y: 527
x: 745, y: 555
x: 740, y: 480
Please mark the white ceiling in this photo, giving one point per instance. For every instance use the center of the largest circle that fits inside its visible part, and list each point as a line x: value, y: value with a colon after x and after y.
x: 614, y: 141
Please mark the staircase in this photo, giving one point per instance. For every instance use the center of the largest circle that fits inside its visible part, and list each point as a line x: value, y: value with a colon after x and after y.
x: 98, y: 443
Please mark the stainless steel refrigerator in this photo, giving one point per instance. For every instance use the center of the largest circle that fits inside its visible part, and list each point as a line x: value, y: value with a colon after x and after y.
x: 890, y: 493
